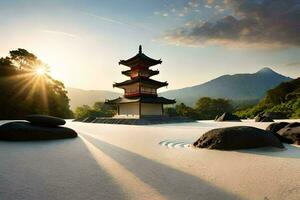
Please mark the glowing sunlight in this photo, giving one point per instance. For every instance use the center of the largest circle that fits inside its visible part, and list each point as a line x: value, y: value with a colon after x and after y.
x: 40, y: 71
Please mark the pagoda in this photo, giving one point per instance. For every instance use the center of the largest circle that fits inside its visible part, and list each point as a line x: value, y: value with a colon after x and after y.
x: 140, y: 99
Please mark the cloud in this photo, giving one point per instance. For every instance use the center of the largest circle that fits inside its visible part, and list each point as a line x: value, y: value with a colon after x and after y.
x: 293, y: 64
x: 105, y: 19
x: 136, y: 26
x: 61, y: 33
x: 259, y: 23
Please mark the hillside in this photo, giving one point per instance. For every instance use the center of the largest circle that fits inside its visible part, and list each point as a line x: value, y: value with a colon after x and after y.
x: 79, y: 97
x: 235, y: 87
x: 285, y: 98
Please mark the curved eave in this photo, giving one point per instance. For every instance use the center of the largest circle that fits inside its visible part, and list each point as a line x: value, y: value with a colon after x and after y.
x: 140, y: 59
x: 153, y: 100
x: 157, y: 100
x: 121, y: 100
x: 146, y: 81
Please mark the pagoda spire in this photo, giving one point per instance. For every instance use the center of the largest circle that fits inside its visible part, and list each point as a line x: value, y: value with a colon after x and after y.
x: 140, y: 49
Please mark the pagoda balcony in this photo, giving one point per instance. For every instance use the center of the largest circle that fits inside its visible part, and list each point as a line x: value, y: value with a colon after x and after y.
x: 138, y: 94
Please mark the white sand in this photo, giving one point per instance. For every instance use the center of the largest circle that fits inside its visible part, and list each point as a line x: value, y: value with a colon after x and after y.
x: 127, y: 162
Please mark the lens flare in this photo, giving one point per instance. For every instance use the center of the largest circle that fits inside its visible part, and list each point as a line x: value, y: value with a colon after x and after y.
x: 40, y: 71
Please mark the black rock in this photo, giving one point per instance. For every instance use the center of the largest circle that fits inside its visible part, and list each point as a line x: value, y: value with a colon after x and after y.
x: 25, y: 131
x: 274, y: 127
x: 216, y: 118
x: 290, y: 134
x: 261, y: 118
x: 228, y: 117
x: 239, y: 137
x: 292, y: 125
x: 45, y: 120
x: 275, y: 115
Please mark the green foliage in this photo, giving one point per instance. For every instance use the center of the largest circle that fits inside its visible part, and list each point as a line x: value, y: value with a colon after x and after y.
x: 99, y: 109
x: 170, y: 111
x: 284, y: 98
x: 24, y: 92
x: 186, y: 111
x: 208, y: 108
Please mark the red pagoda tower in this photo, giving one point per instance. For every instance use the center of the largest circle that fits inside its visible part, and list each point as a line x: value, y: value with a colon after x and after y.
x: 140, y: 91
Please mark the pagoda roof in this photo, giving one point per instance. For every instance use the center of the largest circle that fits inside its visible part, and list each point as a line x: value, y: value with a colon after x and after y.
x: 143, y: 80
x: 140, y: 60
x: 151, y: 72
x: 154, y: 100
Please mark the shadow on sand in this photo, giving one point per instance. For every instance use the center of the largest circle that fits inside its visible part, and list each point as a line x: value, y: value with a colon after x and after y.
x: 58, y: 169
x: 290, y: 151
x: 170, y: 182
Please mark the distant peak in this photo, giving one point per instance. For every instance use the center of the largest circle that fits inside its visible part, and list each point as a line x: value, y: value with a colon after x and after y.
x: 266, y: 70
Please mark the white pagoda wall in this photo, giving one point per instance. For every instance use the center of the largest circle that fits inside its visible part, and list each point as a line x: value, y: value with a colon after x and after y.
x: 129, y: 110
x: 151, y: 109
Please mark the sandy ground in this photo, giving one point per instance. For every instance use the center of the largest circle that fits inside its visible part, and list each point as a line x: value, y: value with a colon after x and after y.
x: 145, y: 162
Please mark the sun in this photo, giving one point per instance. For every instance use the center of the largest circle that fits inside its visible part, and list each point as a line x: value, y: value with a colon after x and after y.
x: 40, y: 71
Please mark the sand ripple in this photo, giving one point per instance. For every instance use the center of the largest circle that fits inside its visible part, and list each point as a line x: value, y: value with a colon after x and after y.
x: 174, y: 144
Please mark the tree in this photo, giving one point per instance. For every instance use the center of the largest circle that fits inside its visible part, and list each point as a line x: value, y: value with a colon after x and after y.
x: 186, y: 111
x: 99, y: 109
x: 208, y: 108
x: 25, y: 92
x: 82, y: 112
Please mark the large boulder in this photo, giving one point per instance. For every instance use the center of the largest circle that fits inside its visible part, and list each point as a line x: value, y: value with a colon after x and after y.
x: 293, y: 124
x: 45, y: 120
x: 261, y: 118
x: 290, y: 134
x: 275, y: 115
x: 239, y: 137
x: 274, y: 127
x: 228, y: 117
x: 25, y: 131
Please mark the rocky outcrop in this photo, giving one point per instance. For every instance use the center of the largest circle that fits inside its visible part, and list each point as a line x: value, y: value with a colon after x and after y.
x: 262, y: 118
x: 45, y: 120
x: 291, y: 135
x: 25, y: 131
x: 240, y: 137
x: 228, y: 117
x: 275, y: 115
x: 274, y: 127
x: 286, y: 132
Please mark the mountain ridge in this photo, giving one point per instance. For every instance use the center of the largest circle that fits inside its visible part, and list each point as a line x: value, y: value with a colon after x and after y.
x: 241, y: 86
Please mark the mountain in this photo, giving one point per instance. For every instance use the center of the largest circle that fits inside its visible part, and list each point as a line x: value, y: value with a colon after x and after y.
x: 237, y: 87
x: 79, y: 97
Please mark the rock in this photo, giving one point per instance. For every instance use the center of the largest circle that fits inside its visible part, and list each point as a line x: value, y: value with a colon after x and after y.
x: 45, y: 120
x: 293, y: 124
x: 228, y: 117
x: 25, y: 131
x: 275, y: 127
x: 275, y: 115
x: 290, y: 134
x: 216, y: 118
x: 261, y: 118
x: 239, y: 137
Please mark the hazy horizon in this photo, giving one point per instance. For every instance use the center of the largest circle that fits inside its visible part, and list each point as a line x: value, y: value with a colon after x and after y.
x: 197, y: 40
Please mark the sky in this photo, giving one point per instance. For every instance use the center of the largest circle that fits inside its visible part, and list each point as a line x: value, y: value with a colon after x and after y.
x: 197, y: 40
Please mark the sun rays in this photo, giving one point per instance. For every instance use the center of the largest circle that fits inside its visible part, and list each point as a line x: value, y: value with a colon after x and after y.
x: 31, y: 83
x: 40, y: 71
x: 130, y: 183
